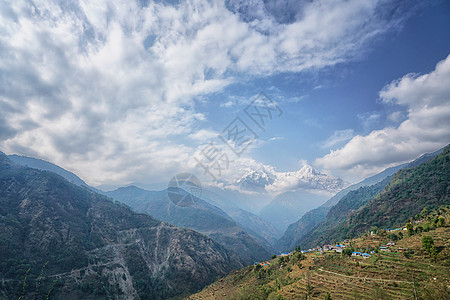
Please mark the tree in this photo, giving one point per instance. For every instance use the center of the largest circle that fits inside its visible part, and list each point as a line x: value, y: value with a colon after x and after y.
x: 274, y: 256
x: 328, y: 296
x: 419, y: 229
x: 410, y: 229
x: 441, y: 222
x: 429, y: 247
x: 434, y: 252
x: 424, y: 212
x: 427, y: 243
x: 382, y: 232
x: 347, y: 251
x: 393, y: 237
x: 298, y: 256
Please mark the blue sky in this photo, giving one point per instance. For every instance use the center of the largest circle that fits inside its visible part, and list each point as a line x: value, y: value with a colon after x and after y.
x: 132, y: 91
x: 345, y: 97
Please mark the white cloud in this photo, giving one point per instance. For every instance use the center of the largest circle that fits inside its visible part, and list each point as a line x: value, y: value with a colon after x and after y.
x: 204, y: 135
x: 338, y: 137
x: 82, y: 87
x: 427, y: 127
x: 397, y: 116
x: 226, y: 104
x: 276, y: 138
x: 369, y: 120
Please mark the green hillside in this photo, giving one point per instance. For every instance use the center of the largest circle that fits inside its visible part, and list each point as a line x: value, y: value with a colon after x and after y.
x: 301, y: 232
x: 334, y: 227
x: 406, y: 271
x: 386, y: 204
x: 415, y: 263
x: 407, y: 194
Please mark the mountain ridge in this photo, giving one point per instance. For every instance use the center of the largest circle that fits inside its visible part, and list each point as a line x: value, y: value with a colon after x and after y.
x: 201, y: 216
x: 86, y: 246
x: 312, y: 219
x: 423, y: 183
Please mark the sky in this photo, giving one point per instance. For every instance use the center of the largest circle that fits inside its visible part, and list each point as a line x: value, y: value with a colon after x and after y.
x: 123, y: 92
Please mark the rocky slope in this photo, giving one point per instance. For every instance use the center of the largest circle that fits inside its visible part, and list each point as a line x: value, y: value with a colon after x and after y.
x: 201, y: 216
x: 61, y: 241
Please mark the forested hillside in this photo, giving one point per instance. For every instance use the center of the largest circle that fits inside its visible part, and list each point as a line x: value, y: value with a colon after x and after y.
x: 389, y: 203
x: 61, y: 241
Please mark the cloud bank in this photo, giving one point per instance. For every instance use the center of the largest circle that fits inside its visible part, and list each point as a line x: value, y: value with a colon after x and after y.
x: 426, y: 128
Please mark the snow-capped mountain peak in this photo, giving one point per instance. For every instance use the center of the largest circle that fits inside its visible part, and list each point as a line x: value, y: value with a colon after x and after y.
x: 306, y: 178
x: 255, y: 180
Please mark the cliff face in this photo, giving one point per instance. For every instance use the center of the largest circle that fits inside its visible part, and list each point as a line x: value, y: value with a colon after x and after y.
x: 68, y: 242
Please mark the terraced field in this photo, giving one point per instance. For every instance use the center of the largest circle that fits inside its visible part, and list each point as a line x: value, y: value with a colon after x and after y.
x: 386, y: 275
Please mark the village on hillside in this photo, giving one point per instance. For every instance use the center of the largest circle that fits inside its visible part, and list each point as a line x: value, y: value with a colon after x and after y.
x: 404, y: 263
x: 374, y: 238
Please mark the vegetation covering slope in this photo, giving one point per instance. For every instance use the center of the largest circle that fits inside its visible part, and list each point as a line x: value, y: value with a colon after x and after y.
x: 407, y: 194
x: 413, y: 272
x: 302, y: 229
x: 333, y: 227
x: 61, y: 241
x: 388, y: 203
x: 297, y: 231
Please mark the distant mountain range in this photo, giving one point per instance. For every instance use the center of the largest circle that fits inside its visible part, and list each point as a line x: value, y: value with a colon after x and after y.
x: 267, y: 224
x: 295, y: 193
x: 301, y: 228
x: 307, y: 178
x: 250, y: 221
x: 58, y: 240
